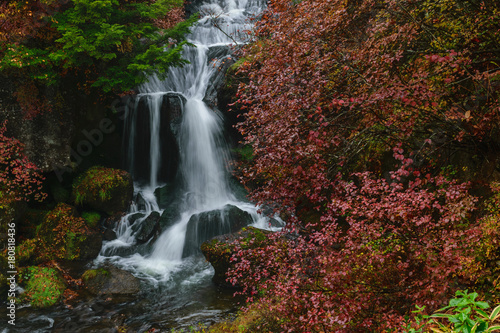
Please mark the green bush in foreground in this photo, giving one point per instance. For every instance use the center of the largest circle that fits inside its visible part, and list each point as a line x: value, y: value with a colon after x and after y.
x: 464, y: 314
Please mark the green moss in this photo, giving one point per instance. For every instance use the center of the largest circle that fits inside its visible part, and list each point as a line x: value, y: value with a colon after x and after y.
x: 92, y: 218
x: 93, y: 273
x: 103, y: 189
x: 98, y: 182
x: 43, y: 286
x: 234, y: 67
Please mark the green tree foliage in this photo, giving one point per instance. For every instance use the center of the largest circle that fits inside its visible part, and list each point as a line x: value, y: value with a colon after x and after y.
x: 111, y: 45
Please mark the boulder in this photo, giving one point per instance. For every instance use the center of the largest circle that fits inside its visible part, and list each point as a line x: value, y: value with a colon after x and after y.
x: 104, y: 189
x: 110, y: 280
x: 169, y: 216
x: 64, y: 235
x: 206, y: 225
x: 140, y: 202
x: 149, y: 228
x: 219, y: 250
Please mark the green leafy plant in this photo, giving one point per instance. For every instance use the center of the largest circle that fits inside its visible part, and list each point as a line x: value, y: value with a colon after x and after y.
x: 463, y: 314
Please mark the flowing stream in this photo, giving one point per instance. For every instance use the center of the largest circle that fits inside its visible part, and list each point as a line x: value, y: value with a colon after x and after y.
x: 176, y: 150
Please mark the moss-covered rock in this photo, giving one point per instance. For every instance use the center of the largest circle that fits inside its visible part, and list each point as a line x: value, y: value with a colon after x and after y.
x: 104, y: 189
x: 64, y: 235
x: 218, y: 250
x: 26, y: 252
x: 91, y: 218
x: 206, y: 225
x: 31, y: 220
x: 43, y: 286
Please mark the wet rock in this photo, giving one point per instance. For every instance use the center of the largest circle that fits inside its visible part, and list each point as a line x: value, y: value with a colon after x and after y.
x: 169, y: 216
x: 165, y: 195
x: 219, y: 250
x: 112, y: 221
x: 149, y: 228
x: 110, y: 280
x: 134, y: 217
x: 206, y: 225
x: 140, y: 202
x: 109, y: 235
x: 220, y: 57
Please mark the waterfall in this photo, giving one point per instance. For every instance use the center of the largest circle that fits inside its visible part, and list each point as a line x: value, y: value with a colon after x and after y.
x: 200, y: 188
x: 175, y: 149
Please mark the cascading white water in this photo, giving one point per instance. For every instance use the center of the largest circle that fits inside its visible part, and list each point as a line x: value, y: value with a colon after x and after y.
x: 202, y: 175
x: 154, y: 102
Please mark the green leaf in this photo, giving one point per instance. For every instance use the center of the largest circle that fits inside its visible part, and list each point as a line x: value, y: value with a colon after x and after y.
x: 495, y: 313
x: 482, y: 305
x: 440, y: 315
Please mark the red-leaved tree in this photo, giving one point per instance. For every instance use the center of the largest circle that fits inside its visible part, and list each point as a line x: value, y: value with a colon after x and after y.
x: 20, y: 179
x: 393, y: 244
x: 330, y: 88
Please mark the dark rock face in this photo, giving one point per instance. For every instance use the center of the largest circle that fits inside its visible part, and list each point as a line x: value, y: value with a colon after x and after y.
x: 219, y: 250
x: 47, y: 138
x: 77, y: 131
x: 206, y: 225
x: 149, y: 229
x: 90, y: 249
x: 137, y: 140
x: 110, y: 280
x: 222, y: 59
